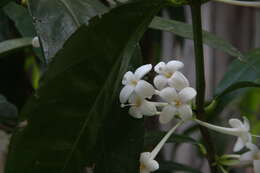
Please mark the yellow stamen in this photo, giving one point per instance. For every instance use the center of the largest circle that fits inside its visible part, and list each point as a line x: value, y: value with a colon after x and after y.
x: 134, y: 82
x: 142, y: 166
x: 168, y: 75
x: 177, y: 103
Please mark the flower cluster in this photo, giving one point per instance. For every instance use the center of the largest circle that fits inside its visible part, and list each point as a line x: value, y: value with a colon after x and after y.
x: 176, y: 95
x: 170, y: 84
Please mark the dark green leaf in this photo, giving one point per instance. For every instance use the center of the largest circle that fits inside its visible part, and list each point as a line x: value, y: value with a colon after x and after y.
x: 173, y: 166
x: 23, y: 22
x: 245, y: 71
x: 4, y: 2
x: 22, y: 19
x: 154, y: 137
x: 241, y: 74
x: 69, y: 112
x: 185, y: 30
x: 62, y: 18
x: 14, y: 45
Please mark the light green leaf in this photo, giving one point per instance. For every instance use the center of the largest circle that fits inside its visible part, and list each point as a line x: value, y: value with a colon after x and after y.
x: 14, y: 45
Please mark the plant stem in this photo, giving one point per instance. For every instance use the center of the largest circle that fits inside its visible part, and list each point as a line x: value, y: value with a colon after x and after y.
x: 200, y: 80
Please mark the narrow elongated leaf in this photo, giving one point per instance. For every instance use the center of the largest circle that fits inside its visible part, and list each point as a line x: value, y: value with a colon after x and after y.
x: 173, y: 166
x: 14, y: 45
x: 79, y: 93
x: 185, y: 30
x: 153, y: 138
x: 62, y: 18
x: 241, y: 74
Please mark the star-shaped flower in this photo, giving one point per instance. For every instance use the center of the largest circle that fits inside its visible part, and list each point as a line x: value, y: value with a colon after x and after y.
x: 133, y: 83
x: 179, y: 103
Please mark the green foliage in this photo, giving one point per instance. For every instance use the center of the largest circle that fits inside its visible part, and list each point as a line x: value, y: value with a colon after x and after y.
x: 240, y: 76
x: 22, y: 19
x: 62, y: 18
x: 79, y: 92
x: 185, y: 30
x: 4, y: 2
x: 152, y: 138
x: 9, y: 46
x: 169, y: 166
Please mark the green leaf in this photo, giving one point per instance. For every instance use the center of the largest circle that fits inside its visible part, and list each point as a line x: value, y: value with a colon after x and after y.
x: 173, y: 166
x: 152, y: 138
x: 23, y: 22
x: 63, y: 17
x: 9, y: 46
x: 240, y: 76
x: 78, y: 100
x: 22, y: 19
x: 185, y: 30
x: 243, y: 72
x: 4, y: 2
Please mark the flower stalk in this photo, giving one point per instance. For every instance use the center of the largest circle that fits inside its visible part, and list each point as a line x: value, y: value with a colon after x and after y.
x: 200, y: 80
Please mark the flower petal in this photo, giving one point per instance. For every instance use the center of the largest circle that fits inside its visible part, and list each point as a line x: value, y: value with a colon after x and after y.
x: 178, y: 81
x: 256, y: 164
x: 127, y: 77
x: 160, y: 82
x: 185, y: 111
x: 152, y: 165
x: 174, y: 65
x: 125, y: 93
x: 238, y: 145
x: 160, y: 67
x: 144, y: 89
x: 247, y: 156
x: 145, y: 157
x: 169, y: 94
x: 148, y: 108
x: 252, y: 147
x: 167, y: 114
x: 135, y: 112
x: 187, y: 94
x: 235, y: 123
x: 143, y: 70
x: 246, y: 123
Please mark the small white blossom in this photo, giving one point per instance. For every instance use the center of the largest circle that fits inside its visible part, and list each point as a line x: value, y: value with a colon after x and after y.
x: 147, y: 164
x: 168, y: 75
x: 253, y: 155
x: 133, y: 83
x: 140, y: 107
x: 239, y: 129
x: 36, y: 42
x: 178, y: 103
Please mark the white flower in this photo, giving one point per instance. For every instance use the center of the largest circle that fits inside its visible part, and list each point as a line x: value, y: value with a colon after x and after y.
x: 239, y: 129
x: 36, y: 42
x: 178, y: 103
x: 169, y: 75
x: 140, y: 107
x: 133, y: 83
x: 253, y: 155
x: 147, y: 164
